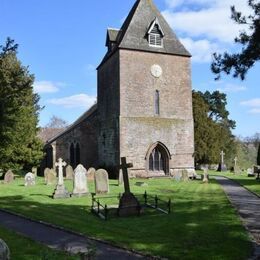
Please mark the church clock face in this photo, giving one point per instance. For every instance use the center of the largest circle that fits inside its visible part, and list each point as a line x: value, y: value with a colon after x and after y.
x: 156, y: 70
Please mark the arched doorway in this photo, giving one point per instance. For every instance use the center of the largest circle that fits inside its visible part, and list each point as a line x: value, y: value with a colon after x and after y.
x: 157, y: 159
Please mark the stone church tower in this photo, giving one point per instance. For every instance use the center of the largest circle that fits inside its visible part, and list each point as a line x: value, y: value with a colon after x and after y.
x: 144, y: 106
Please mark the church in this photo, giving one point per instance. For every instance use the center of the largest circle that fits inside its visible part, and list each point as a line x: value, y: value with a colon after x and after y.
x: 144, y: 103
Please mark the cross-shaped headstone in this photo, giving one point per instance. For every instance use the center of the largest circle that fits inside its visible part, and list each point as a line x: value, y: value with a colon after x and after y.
x: 235, y: 160
x: 222, y: 157
x: 60, y: 164
x: 124, y: 166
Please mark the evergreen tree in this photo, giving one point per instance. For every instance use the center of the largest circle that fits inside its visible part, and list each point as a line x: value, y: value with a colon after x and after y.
x: 241, y: 62
x: 212, y: 127
x: 19, y: 110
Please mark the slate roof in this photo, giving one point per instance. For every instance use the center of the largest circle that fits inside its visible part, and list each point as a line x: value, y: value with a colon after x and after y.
x: 133, y: 33
x: 82, y: 118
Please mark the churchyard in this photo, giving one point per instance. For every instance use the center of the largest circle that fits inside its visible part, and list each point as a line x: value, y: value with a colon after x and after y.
x: 202, y: 224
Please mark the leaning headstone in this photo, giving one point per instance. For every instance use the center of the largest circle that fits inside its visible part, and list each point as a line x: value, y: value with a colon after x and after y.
x: 29, y: 179
x: 69, y: 172
x: 51, y: 177
x: 80, y: 186
x: 101, y: 181
x: 185, y: 175
x: 91, y: 174
x: 46, y: 172
x: 4, y: 250
x: 9, y: 177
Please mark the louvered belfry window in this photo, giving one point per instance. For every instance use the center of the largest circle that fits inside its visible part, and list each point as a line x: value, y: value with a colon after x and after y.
x: 155, y: 37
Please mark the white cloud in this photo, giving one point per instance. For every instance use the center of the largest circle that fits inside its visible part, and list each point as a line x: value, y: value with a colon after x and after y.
x: 76, y: 101
x: 201, y: 50
x: 232, y: 88
x: 46, y: 87
x: 204, y: 25
x: 251, y: 103
x: 254, y: 104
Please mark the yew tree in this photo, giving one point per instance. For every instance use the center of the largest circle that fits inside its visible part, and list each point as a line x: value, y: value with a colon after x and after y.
x: 19, y: 110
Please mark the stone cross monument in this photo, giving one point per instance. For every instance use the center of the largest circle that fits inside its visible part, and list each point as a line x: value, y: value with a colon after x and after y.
x: 128, y: 204
x: 222, y: 167
x: 60, y: 190
x: 235, y: 161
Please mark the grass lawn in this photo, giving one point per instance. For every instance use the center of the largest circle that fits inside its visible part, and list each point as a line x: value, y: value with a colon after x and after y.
x: 202, y: 224
x: 249, y: 182
x: 22, y: 248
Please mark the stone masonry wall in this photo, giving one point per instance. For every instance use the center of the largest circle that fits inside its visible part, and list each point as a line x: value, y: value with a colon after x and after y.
x: 139, y: 126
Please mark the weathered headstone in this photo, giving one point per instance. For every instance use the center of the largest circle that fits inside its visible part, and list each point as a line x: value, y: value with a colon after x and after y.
x: 34, y: 171
x: 29, y: 179
x: 9, y: 177
x: 69, y: 172
x: 128, y: 204
x: 185, y: 175
x: 101, y: 181
x: 80, y: 186
x: 222, y: 167
x: 45, y: 173
x: 4, y: 250
x: 91, y: 174
x: 205, y: 176
x: 60, y: 190
x: 120, y: 178
x: 250, y: 172
x: 51, y: 177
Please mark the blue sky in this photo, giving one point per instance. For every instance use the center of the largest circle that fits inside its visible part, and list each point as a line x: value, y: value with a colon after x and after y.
x: 63, y: 41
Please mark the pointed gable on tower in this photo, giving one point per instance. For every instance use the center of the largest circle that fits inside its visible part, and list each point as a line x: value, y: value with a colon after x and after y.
x: 140, y: 28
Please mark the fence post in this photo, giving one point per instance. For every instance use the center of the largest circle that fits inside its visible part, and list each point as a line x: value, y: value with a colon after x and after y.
x: 98, y: 204
x: 156, y: 201
x: 106, y: 211
x: 145, y: 198
x: 169, y: 206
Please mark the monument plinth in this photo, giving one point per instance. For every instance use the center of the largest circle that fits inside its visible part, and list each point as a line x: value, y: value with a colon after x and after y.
x: 128, y: 204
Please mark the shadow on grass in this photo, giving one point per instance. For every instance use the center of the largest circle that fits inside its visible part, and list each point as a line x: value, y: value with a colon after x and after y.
x: 204, y: 228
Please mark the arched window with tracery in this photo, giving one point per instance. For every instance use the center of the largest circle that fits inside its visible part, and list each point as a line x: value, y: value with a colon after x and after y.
x: 77, y: 154
x: 158, y: 158
x: 72, y: 155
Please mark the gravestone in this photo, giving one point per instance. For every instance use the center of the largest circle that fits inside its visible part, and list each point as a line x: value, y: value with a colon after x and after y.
x: 34, y: 171
x: 29, y: 179
x: 80, y: 187
x: 257, y: 171
x: 101, y: 181
x: 177, y: 175
x: 120, y: 178
x: 185, y: 175
x: 91, y: 174
x: 205, y: 176
x: 222, y: 167
x: 9, y: 177
x: 60, y: 191
x: 4, y: 250
x: 45, y: 173
x: 51, y: 177
x: 250, y: 172
x: 69, y: 172
x: 128, y: 204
